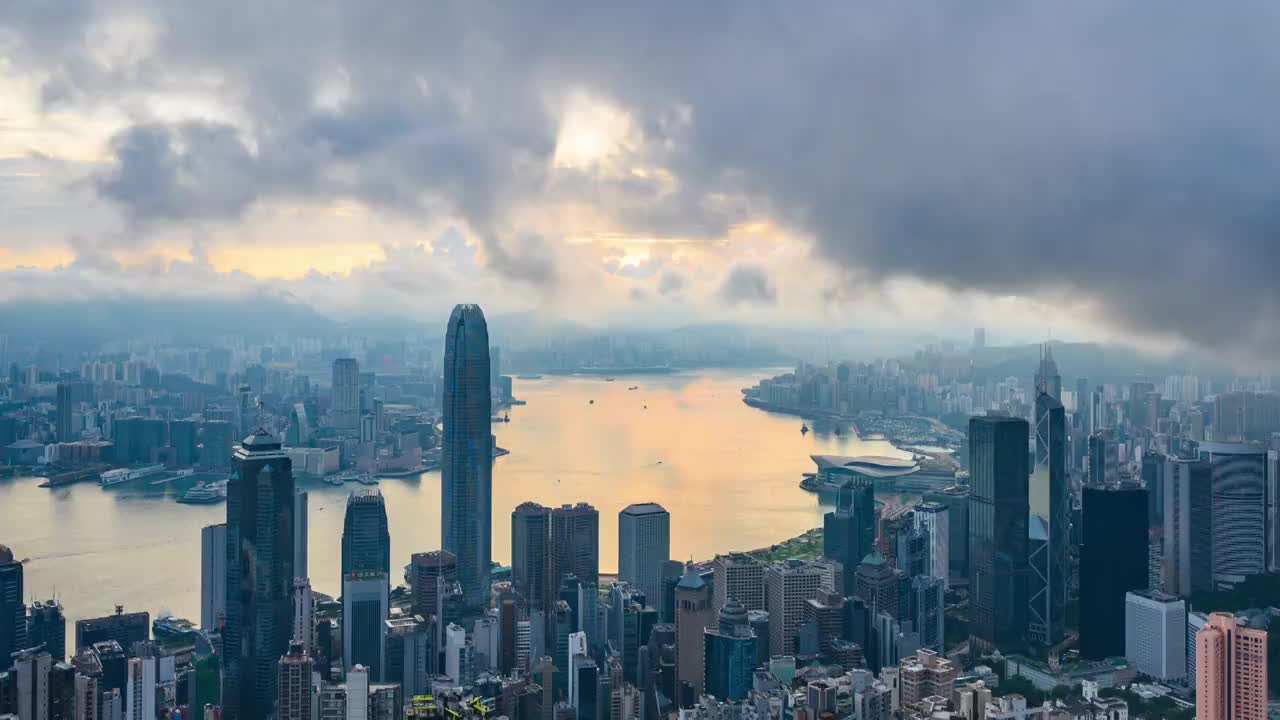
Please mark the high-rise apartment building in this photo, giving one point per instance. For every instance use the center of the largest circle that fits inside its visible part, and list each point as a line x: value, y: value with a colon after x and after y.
x: 140, y: 692
x: 294, y: 684
x: 213, y: 577
x: 1155, y: 634
x: 925, y: 674
x: 934, y: 518
x: 259, y: 576
x: 466, y: 468
x: 644, y: 544
x: 30, y: 674
x: 344, y: 403
x: 998, y: 513
x: 1113, y: 562
x: 531, y: 557
x: 575, y: 544
x: 1049, y: 496
x: 1231, y: 670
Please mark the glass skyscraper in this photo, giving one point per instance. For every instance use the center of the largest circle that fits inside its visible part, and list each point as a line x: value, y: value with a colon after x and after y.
x: 13, y: 613
x: 730, y: 654
x: 259, y: 621
x: 644, y: 544
x: 1113, y: 562
x: 366, y: 541
x: 849, y: 531
x: 1050, y: 499
x: 531, y: 554
x: 998, y: 513
x: 466, y: 470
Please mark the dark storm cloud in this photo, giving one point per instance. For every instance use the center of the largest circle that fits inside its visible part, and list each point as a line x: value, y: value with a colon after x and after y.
x: 747, y: 284
x: 1121, y: 152
x: 671, y: 282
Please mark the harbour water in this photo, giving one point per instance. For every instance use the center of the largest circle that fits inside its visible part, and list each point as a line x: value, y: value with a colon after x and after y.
x: 728, y: 474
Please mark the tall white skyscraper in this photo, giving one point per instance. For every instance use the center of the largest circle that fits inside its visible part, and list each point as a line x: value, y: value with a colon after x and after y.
x: 345, y: 399
x: 644, y: 544
x: 358, y: 693
x: 213, y: 576
x: 32, y: 670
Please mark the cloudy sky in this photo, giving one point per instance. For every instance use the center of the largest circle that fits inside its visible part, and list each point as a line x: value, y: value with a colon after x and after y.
x: 1094, y: 170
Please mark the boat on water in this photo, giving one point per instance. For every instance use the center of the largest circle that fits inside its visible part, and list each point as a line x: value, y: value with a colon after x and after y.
x: 205, y: 493
x: 608, y: 379
x: 634, y: 387
x: 532, y: 376
x: 334, y: 480
x: 123, y: 475
x: 366, y: 479
x: 169, y: 628
x: 804, y: 429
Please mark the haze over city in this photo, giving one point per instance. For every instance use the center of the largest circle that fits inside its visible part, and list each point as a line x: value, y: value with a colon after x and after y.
x: 470, y: 360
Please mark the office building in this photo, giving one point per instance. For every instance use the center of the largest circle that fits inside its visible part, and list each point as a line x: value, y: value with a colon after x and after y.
x: 410, y: 654
x: 1153, y: 467
x: 934, y: 518
x: 730, y: 653
x: 62, y: 691
x: 788, y: 585
x: 644, y: 545
x: 431, y: 572
x: 1049, y: 497
x: 300, y: 528
x: 140, y: 693
x: 122, y: 627
x: 88, y: 697
x: 344, y: 403
x: 956, y: 499
x: 876, y: 582
x: 366, y: 541
x: 849, y: 531
x: 1239, y: 472
x: 1104, y: 458
x: 1155, y: 634
x: 466, y: 468
x: 303, y: 613
x: 531, y: 556
x: 365, y: 609
x: 293, y: 681
x: 217, y: 439
x: 47, y: 629
x: 213, y: 577
x: 998, y: 511
x: 184, y: 439
x: 1187, y: 533
x: 926, y: 609
x: 358, y: 693
x: 738, y: 576
x: 259, y: 576
x: 1113, y: 562
x: 30, y: 674
x: 1231, y: 670
x: 1047, y: 379
x: 13, y: 611
x: 693, y: 616
x: 575, y: 544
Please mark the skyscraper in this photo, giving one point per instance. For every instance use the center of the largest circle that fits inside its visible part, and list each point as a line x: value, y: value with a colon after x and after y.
x: 730, y: 653
x: 259, y: 576
x: 934, y: 518
x: 1104, y: 458
x: 294, y: 683
x: 998, y: 512
x: 31, y: 675
x: 1155, y: 634
x: 213, y: 577
x: 575, y: 543
x: 365, y: 608
x: 366, y: 541
x: 693, y: 616
x: 1239, y: 472
x: 1231, y: 670
x: 1047, y: 379
x: 1187, y: 533
x: 644, y: 544
x: 140, y: 692
x: 849, y: 531
x: 1113, y: 562
x: 1049, y: 497
x: 47, y: 629
x: 345, y: 400
x: 300, y: 535
x: 428, y: 572
x: 13, y: 612
x: 531, y: 554
x: 956, y: 498
x: 741, y: 577
x: 788, y: 585
x: 466, y: 469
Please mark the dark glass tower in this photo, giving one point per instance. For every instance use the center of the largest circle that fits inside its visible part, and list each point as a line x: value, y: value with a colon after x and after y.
x: 1050, y: 499
x: 998, y: 512
x: 366, y: 541
x: 1113, y: 561
x: 531, y: 554
x: 259, y: 576
x: 730, y: 654
x: 466, y: 471
x: 575, y: 543
x: 13, y: 613
x: 849, y: 531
